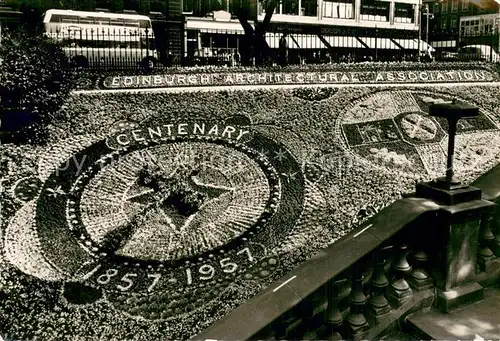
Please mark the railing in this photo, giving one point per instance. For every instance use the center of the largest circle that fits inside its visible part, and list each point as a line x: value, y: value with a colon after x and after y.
x: 407, y: 257
x: 108, y: 48
x: 114, y: 49
x: 357, y: 45
x: 489, y: 234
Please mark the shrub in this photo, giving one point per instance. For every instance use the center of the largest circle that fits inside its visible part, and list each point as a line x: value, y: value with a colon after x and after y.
x: 36, y: 80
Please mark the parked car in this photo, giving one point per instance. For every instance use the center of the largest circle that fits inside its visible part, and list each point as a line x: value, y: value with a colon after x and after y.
x: 449, y: 55
x: 478, y: 52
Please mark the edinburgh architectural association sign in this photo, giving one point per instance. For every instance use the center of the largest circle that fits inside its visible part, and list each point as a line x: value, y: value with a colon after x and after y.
x: 282, y: 78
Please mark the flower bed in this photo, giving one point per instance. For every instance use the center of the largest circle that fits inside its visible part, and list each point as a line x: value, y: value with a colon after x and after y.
x: 338, y: 156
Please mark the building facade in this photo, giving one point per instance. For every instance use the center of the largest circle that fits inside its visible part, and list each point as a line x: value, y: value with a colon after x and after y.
x: 315, y: 29
x: 464, y: 22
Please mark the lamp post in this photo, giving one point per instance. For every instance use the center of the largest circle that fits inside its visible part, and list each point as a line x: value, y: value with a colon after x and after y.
x: 427, y: 14
x: 419, y: 29
x: 423, y: 5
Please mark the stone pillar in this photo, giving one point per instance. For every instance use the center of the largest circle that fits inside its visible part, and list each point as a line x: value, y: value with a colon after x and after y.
x: 356, y: 321
x: 357, y: 10
x: 417, y: 14
x: 320, y: 9
x: 378, y: 307
x: 456, y: 233
x: 486, y: 243
x: 392, y: 11
x: 419, y: 278
x: 334, y: 318
x: 399, y: 290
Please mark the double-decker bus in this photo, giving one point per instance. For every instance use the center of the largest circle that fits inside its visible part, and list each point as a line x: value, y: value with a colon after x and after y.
x: 103, y: 39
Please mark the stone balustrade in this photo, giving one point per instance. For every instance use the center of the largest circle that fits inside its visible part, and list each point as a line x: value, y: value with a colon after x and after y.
x: 360, y: 287
x: 436, y: 248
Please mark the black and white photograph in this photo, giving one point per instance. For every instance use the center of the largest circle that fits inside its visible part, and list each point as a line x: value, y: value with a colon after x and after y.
x: 230, y: 170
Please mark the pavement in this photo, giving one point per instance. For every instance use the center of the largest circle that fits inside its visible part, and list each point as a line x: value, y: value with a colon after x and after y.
x: 478, y: 321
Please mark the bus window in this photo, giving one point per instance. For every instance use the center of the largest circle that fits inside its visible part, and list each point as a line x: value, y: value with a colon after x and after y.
x: 116, y: 22
x: 144, y: 24
x: 69, y: 19
x: 102, y: 21
x: 130, y: 23
x: 86, y: 20
x: 56, y: 18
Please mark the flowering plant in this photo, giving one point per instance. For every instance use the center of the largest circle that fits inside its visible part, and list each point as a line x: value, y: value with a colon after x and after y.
x: 36, y: 80
x: 353, y: 157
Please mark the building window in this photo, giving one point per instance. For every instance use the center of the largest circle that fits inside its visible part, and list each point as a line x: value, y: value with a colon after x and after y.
x: 375, y: 11
x: 488, y: 27
x: 471, y: 28
x: 290, y: 7
x: 443, y: 25
x: 465, y: 5
x: 309, y: 8
x: 454, y: 6
x: 444, y: 7
x: 198, y: 7
x: 453, y: 23
x: 404, y: 13
x: 436, y: 7
x: 340, y: 9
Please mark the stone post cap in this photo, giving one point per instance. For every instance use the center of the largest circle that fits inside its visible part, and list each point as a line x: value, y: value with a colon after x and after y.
x: 453, y: 110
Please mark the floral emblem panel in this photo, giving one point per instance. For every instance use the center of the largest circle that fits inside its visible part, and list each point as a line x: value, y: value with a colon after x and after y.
x: 149, y: 216
x: 406, y: 138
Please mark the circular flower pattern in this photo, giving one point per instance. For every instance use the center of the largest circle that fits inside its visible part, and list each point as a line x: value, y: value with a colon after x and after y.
x: 236, y: 187
x: 26, y: 189
x: 173, y: 213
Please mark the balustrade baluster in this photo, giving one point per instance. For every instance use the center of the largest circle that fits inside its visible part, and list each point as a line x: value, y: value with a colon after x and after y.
x: 378, y: 306
x: 399, y: 290
x: 286, y: 323
x: 419, y: 277
x: 496, y: 241
x: 309, y: 322
x: 486, y: 239
x: 356, y: 321
x: 334, y: 318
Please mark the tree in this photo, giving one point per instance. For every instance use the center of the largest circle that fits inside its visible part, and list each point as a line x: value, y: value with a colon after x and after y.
x: 144, y: 6
x: 36, y: 80
x: 117, y: 5
x: 255, y: 45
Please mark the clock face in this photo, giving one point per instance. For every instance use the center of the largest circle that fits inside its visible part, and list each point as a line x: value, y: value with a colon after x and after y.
x: 234, y: 193
x: 170, y: 213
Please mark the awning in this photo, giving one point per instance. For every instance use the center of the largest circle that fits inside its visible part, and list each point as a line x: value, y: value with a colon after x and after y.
x: 308, y: 41
x: 295, y: 41
x: 412, y: 44
x: 211, y: 26
x: 343, y: 41
x: 423, y: 46
x: 273, y: 40
x: 379, y: 43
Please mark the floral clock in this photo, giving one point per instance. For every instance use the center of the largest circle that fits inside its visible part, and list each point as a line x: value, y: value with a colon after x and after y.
x: 159, y: 219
